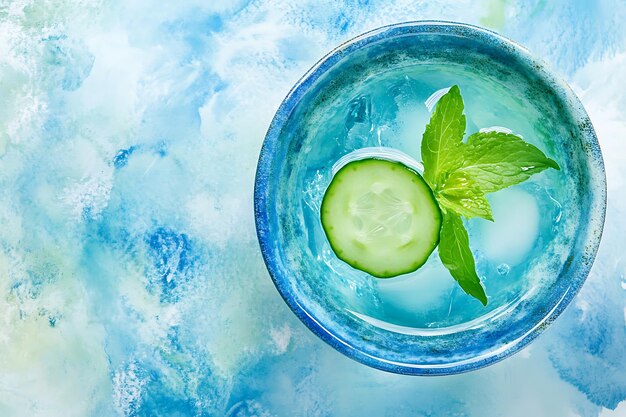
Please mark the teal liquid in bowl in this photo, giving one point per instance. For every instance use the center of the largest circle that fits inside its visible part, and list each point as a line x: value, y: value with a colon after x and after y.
x: 389, y: 109
x: 529, y: 259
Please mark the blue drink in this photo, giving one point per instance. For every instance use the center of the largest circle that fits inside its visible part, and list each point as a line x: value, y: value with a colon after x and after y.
x: 532, y: 258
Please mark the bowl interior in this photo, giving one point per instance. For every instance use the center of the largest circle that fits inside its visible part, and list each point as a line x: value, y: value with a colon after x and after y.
x: 533, y: 259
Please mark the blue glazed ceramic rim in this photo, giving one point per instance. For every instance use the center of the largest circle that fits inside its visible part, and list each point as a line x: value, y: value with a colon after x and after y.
x: 270, y: 145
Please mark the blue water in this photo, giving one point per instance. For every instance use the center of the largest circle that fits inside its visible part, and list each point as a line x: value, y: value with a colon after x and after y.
x: 388, y: 109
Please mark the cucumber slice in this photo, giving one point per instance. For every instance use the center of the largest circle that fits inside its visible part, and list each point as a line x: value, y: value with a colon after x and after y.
x: 380, y: 217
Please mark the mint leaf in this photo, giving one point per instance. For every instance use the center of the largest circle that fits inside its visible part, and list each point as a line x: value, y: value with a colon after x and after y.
x: 460, y: 174
x: 496, y: 160
x: 457, y: 257
x: 460, y: 193
x: 443, y: 135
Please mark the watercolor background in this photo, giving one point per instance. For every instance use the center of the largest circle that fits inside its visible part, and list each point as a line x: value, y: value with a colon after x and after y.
x: 131, y: 282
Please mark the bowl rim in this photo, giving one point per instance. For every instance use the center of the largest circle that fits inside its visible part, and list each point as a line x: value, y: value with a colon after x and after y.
x: 270, y: 144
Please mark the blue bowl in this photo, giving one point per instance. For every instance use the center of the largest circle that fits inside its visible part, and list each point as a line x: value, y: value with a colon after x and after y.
x: 314, y: 290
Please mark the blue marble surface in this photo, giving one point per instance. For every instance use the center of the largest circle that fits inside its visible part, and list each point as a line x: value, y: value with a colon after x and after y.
x: 131, y: 281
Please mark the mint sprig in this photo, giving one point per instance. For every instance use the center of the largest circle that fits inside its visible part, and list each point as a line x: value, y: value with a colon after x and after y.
x: 460, y: 174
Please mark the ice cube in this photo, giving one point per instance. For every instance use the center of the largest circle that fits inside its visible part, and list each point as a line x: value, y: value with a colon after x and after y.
x: 416, y: 295
x: 513, y: 233
x: 359, y: 112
